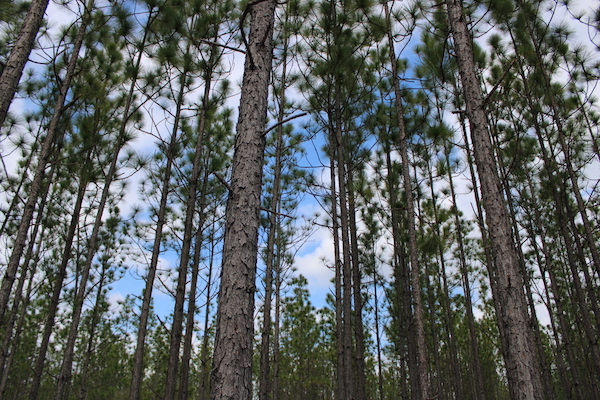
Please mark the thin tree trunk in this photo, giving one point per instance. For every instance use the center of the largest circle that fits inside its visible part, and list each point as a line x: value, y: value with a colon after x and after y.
x: 543, y: 363
x: 401, y: 278
x: 138, y: 358
x: 457, y: 380
x: 189, y: 329
x: 558, y: 123
x: 191, y: 314
x: 232, y: 363
x: 61, y: 274
x: 415, y: 279
x: 276, y: 331
x: 17, y: 198
x: 138, y: 363
x: 572, y: 385
x: 339, y: 313
x: 52, y: 135
x: 92, y: 247
x: 377, y: 330
x: 346, y: 331
x: 10, y: 341
x: 563, y: 212
x: 204, y: 382
x: 190, y: 209
x: 265, y: 350
x: 476, y: 374
x: 359, y: 336
x: 83, y: 390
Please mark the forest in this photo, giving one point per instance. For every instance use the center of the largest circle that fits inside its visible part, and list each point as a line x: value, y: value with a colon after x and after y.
x: 299, y: 199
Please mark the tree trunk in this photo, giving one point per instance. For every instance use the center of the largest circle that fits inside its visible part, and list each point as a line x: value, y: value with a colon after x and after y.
x: 572, y: 386
x: 139, y: 351
x: 475, y: 369
x: 339, y: 313
x: 190, y: 209
x: 276, y: 331
x: 9, y: 343
x: 11, y: 74
x: 83, y: 390
x: 359, y: 336
x: 265, y: 350
x: 61, y: 274
x: 457, y: 380
x: 138, y: 360
x: 204, y: 382
x: 349, y: 389
x: 36, y: 184
x: 513, y: 319
x: 232, y: 363
x: 190, y: 317
x: 401, y: 275
x: 415, y: 279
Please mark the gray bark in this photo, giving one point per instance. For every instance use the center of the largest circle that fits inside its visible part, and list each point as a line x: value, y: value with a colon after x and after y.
x: 513, y: 319
x: 36, y: 184
x: 11, y: 74
x: 232, y: 363
x: 422, y: 377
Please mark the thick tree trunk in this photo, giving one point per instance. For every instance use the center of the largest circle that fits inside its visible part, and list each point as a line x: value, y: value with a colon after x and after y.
x: 232, y: 363
x: 11, y: 74
x: 513, y: 319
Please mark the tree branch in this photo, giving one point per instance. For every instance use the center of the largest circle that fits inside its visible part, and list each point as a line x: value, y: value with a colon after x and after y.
x: 487, y: 98
x: 283, y: 122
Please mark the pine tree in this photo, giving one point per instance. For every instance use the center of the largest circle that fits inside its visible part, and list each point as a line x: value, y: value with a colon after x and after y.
x: 521, y: 359
x: 19, y: 55
x: 231, y: 374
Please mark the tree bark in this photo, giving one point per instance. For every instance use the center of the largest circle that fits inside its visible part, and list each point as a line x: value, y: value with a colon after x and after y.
x: 476, y: 374
x: 204, y: 380
x: 11, y: 74
x: 520, y: 356
x: 415, y: 279
x: 265, y: 350
x: 232, y: 363
x: 36, y: 185
x: 359, y: 336
x: 138, y: 360
x: 61, y: 274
